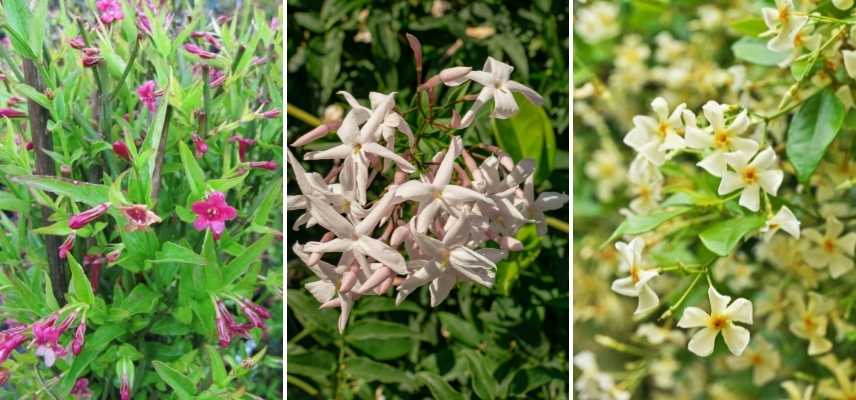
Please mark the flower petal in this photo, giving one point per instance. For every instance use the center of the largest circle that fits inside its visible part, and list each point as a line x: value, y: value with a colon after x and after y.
x: 693, y: 317
x: 702, y: 342
x: 736, y: 338
x: 740, y: 310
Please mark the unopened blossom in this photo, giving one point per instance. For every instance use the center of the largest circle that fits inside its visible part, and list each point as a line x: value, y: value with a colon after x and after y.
x: 148, y: 95
x: 199, y: 145
x: 77, y: 43
x: 11, y: 113
x: 198, y: 51
x: 109, y: 11
x: 255, y: 314
x: 10, y: 339
x: 762, y: 357
x: 796, y: 392
x: 93, y: 263
x: 244, y: 145
x: 718, y: 137
x: 139, y: 217
x: 270, y: 114
x: 653, y: 137
x: 66, y: 246
x: 212, y: 213
x: 216, y: 77
x: 91, y: 57
x: 79, y: 338
x: 125, y: 387
x: 831, y: 249
x: 452, y: 76
x: 722, y: 318
x: 784, y: 220
x: 636, y: 284
x: 327, y: 289
x: 80, y: 390
x: 268, y: 165
x: 438, y: 193
x: 209, y: 37
x: 761, y: 173
x: 120, y: 148
x: 495, y: 77
x: 597, y: 22
x: 358, y: 144
x: 783, y: 22
x: 83, y: 218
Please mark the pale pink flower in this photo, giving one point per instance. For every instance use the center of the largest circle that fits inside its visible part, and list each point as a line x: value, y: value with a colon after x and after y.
x: 497, y: 85
x: 139, y: 217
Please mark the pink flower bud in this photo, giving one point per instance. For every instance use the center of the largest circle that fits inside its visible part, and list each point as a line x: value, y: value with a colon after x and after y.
x: 416, y: 46
x: 271, y: 114
x: 77, y: 43
x: 244, y: 145
x: 81, y: 389
x: 82, y: 219
x: 4, y: 376
x: 148, y: 95
x: 121, y: 150
x: 113, y: 256
x: 316, y: 133
x: 11, y: 113
x: 200, y: 147
x: 79, y: 338
x: 29, y: 146
x: 65, y: 247
x: 91, y: 57
x: 268, y: 165
x: 198, y: 51
x: 125, y: 389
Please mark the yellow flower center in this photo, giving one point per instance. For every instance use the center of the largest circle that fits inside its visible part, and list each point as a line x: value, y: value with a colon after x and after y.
x: 750, y: 175
x: 721, y: 139
x: 718, y: 322
x: 829, y: 246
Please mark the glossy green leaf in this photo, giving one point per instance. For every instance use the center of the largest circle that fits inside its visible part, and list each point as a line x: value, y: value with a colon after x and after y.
x: 314, y: 364
x: 438, y: 386
x: 722, y: 237
x: 812, y: 129
x: 377, y: 329
x: 755, y: 51
x: 218, y: 370
x: 373, y: 371
x: 529, y: 134
x: 182, y: 385
x: 460, y: 329
x: 80, y: 287
x: 483, y: 383
x: 239, y: 264
x: 175, y: 253
x: 637, y: 224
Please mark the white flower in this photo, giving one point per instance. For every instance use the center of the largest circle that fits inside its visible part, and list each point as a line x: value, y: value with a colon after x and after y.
x: 631, y: 53
x: 654, y: 137
x: 594, y: 384
x: 833, y: 250
x: 842, y: 4
x: 392, y: 120
x: 636, y: 284
x: 722, y: 318
x: 658, y: 335
x: 598, y: 22
x: 810, y: 321
x: 783, y: 24
x: 762, y: 357
x: 795, y: 393
x: 849, y: 62
x: 721, y: 138
x: 646, y: 185
x: 785, y: 220
x: 751, y: 177
x: 497, y: 85
x: 606, y: 169
x: 534, y: 208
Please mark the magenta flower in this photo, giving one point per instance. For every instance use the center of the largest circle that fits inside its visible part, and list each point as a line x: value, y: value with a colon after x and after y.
x: 12, y: 101
x: 4, y: 376
x: 94, y: 262
x: 212, y: 213
x: 91, y: 57
x: 11, y: 113
x: 255, y: 313
x: 208, y: 37
x: 216, y: 78
x: 268, y: 165
x: 10, y: 339
x: 81, y: 389
x: 271, y: 113
x: 243, y: 145
x: 199, y: 145
x: 77, y: 43
x: 65, y: 247
x: 125, y: 389
x: 114, y: 255
x: 82, y: 219
x: 121, y: 150
x: 110, y: 10
x: 79, y: 338
x: 143, y: 23
x: 223, y: 335
x: 148, y: 95
x: 46, y: 339
x: 139, y: 217
x: 198, y: 51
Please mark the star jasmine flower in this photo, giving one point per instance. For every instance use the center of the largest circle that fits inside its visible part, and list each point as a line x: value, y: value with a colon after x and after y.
x: 653, y: 137
x: 811, y: 321
x: 833, y: 249
x: 751, y: 177
x: 438, y: 193
x: 722, y: 318
x: 497, y: 85
x: 636, y: 284
x: 783, y: 23
x: 784, y: 220
x: 764, y: 360
x: 646, y: 185
x: 721, y: 138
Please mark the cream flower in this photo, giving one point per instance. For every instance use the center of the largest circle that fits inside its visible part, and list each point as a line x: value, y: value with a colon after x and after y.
x: 646, y: 185
x: 762, y: 357
x: 598, y: 22
x: 653, y: 137
x: 784, y: 220
x: 796, y: 393
x: 833, y: 250
x: 717, y: 136
x: 607, y: 170
x: 811, y: 322
x: 760, y: 173
x: 721, y: 319
x: 495, y: 78
x: 636, y: 285
x: 783, y: 24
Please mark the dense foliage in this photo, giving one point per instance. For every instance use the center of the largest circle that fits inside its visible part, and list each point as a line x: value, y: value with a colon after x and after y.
x: 509, y: 340
x: 141, y: 231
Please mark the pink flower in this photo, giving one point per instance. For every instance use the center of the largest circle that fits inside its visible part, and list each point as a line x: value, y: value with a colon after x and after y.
x: 213, y: 213
x: 121, y: 150
x: 10, y: 339
x: 79, y: 338
x: 243, y: 145
x: 77, y: 43
x: 255, y: 313
x: 268, y: 165
x: 148, y: 95
x: 4, y: 376
x: 125, y: 389
x: 82, y: 219
x: 216, y: 77
x: 200, y: 147
x: 65, y: 247
x: 12, y: 101
x: 223, y: 335
x: 91, y: 57
x: 143, y: 23
x: 139, y: 217
x: 11, y: 113
x: 208, y: 37
x: 46, y: 339
x: 198, y: 51
x: 81, y: 389
x: 111, y: 11
x: 114, y: 255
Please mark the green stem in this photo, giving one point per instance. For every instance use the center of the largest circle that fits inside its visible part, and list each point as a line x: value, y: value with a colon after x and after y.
x: 557, y: 224
x: 43, y: 384
x: 304, y: 116
x: 134, y: 51
x: 683, y: 297
x: 302, y: 385
x: 206, y: 101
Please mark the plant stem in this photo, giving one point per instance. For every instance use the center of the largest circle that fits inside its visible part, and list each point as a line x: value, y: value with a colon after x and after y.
x: 134, y: 51
x: 558, y: 224
x: 156, y: 173
x: 206, y: 101
x: 304, y: 116
x: 302, y: 385
x: 681, y: 300
x: 43, y: 384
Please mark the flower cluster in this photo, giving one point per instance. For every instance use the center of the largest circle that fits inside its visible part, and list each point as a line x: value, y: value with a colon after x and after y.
x: 433, y: 224
x: 44, y: 335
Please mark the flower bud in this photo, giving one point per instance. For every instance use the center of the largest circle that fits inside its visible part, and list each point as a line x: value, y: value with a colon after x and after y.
x: 79, y: 338
x: 270, y: 114
x: 268, y: 165
x: 121, y: 150
x: 65, y: 170
x: 91, y: 57
x: 244, y: 145
x: 77, y: 43
x: 200, y: 147
x: 11, y: 113
x: 198, y: 51
x: 65, y: 247
x: 82, y: 219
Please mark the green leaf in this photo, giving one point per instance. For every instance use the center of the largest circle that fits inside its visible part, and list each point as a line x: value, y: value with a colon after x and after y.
x: 175, y: 253
x: 637, y: 224
x: 377, y: 329
x: 182, y: 385
x: 8, y: 202
x: 195, y: 176
x: 438, y: 386
x: 529, y: 134
x: 18, y: 22
x: 755, y: 51
x: 460, y: 329
x: 315, y: 364
x: 81, y: 289
x: 812, y: 129
x: 306, y: 311
x: 385, y: 349
x: 508, y: 270
x: 34, y: 95
x: 240, y: 263
x: 372, y: 371
x: 141, y: 300
x: 83, y: 192
x: 511, y: 46
x: 482, y: 381
x: 749, y: 26
x: 218, y: 370
x: 95, y: 344
x: 525, y: 380
x: 723, y: 236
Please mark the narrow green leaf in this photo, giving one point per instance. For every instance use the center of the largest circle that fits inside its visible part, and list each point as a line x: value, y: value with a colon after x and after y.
x: 83, y: 192
x: 240, y: 263
x: 314, y: 364
x: 81, y: 289
x: 218, y: 370
x: 182, y: 385
x: 373, y: 371
x: 482, y: 381
x: 377, y: 329
x: 637, y: 224
x: 460, y: 329
x: 438, y: 386
x: 175, y: 253
x: 755, y: 51
x: 195, y: 176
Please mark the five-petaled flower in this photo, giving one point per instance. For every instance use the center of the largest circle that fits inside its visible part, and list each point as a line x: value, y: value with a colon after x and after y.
x: 212, y: 213
x: 722, y: 318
